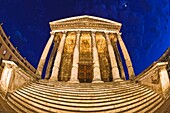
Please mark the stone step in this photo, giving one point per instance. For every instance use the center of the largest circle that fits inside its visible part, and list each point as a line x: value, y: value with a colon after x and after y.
x: 86, y: 85
x: 86, y: 100
x: 61, y: 82
x: 82, y: 89
x: 85, y: 91
x: 153, y: 106
x: 66, y: 84
x: 20, y: 108
x: 80, y: 104
x: 26, y: 107
x: 70, y: 98
x: 92, y: 97
x: 29, y: 102
x: 77, y: 94
x: 88, y: 89
x: 14, y: 106
x: 139, y: 107
x: 150, y: 106
x: 85, y: 96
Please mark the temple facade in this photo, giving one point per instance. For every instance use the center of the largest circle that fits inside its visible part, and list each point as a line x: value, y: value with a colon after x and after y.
x: 84, y: 73
x: 85, y: 49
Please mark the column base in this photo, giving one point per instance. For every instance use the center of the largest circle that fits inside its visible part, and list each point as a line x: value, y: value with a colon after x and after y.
x: 131, y: 77
x: 97, y: 81
x: 117, y: 80
x: 73, y: 81
x: 53, y: 80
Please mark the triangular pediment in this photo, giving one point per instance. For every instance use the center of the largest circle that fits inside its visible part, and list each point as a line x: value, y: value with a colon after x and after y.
x: 85, y: 22
x: 85, y: 18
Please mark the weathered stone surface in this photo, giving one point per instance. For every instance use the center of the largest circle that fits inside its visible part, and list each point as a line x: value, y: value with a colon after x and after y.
x: 13, y: 78
x: 155, y: 77
x: 44, y: 56
x: 86, y: 97
x: 5, y: 108
x: 57, y: 61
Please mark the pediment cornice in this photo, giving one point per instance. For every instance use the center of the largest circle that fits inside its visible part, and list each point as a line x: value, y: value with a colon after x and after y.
x: 83, y: 22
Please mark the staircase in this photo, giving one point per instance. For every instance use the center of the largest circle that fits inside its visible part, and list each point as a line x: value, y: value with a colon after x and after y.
x: 62, y: 97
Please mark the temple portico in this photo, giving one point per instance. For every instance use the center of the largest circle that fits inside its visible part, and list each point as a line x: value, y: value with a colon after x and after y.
x: 85, y: 53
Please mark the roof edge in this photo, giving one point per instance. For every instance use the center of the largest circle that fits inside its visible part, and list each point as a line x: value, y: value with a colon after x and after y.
x: 85, y: 16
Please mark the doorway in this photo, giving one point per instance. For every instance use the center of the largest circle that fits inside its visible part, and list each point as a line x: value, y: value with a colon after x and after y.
x: 85, y: 73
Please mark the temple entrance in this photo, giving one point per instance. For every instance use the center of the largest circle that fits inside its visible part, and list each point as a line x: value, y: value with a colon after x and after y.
x: 85, y: 73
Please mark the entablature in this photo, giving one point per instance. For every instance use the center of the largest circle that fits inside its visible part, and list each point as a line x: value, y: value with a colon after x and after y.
x: 85, y: 30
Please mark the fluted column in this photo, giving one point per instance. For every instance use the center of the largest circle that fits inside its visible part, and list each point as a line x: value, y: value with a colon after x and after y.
x: 74, y: 70
x: 119, y: 60
x: 115, y: 70
x: 96, y: 66
x: 44, y: 55
x: 51, y: 59
x: 126, y: 57
x: 57, y: 61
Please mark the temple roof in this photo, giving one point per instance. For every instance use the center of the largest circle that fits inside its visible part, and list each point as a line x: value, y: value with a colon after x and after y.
x: 85, y: 22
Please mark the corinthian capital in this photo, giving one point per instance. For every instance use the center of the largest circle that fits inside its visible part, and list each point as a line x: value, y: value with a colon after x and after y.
x: 52, y: 33
x: 106, y: 34
x: 78, y: 33
x: 119, y: 34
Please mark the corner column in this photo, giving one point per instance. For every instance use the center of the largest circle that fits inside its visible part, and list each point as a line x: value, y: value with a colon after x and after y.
x: 119, y: 60
x: 126, y: 57
x: 54, y: 50
x: 115, y: 70
x: 96, y: 66
x: 74, y: 70
x: 44, y: 55
x: 55, y: 70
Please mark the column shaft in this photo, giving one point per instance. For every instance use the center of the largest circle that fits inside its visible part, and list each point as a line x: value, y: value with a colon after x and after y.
x: 44, y: 56
x: 115, y: 70
x: 51, y: 59
x: 74, y: 70
x: 119, y: 60
x: 57, y: 61
x: 126, y: 57
x: 96, y: 66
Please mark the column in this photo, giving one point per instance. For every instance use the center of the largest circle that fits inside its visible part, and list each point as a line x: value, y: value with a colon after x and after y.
x: 115, y: 70
x: 51, y: 59
x: 44, y: 55
x: 119, y: 60
x: 96, y: 66
x: 57, y: 61
x: 126, y: 57
x: 74, y: 70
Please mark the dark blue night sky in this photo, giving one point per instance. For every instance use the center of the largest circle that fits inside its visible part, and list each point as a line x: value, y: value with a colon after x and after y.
x: 146, y: 24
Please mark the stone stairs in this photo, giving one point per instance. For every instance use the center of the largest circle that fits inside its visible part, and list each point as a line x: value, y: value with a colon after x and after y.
x: 63, y: 97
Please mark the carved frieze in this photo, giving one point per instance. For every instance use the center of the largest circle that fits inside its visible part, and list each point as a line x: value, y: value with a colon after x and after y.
x: 85, y: 26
